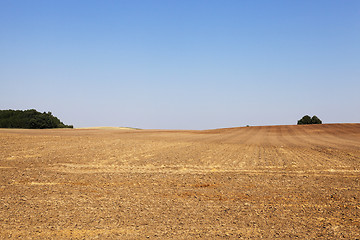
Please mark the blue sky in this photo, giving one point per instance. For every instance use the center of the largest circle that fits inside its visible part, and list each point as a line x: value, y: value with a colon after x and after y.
x: 182, y: 64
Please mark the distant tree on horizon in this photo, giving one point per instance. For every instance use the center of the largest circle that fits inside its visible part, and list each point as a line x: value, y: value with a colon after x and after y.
x: 309, y: 120
x: 30, y: 119
x: 315, y: 120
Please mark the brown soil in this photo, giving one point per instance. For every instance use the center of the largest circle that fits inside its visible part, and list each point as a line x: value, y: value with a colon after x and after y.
x: 253, y: 182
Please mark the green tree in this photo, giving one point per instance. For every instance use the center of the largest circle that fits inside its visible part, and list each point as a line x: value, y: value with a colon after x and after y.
x: 315, y: 120
x: 308, y: 120
x: 29, y: 119
x: 305, y: 120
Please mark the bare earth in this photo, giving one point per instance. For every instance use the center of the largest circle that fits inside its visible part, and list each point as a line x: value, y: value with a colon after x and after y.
x: 254, y: 182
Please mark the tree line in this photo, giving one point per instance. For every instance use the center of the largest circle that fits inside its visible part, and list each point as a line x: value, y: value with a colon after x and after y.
x: 31, y: 119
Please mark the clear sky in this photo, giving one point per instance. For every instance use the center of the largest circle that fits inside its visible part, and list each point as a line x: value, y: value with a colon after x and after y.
x: 189, y: 64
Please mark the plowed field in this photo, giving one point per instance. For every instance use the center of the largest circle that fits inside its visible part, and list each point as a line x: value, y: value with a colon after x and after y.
x: 252, y: 182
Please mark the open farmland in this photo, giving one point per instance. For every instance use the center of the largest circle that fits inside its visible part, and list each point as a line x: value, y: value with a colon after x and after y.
x: 251, y: 182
